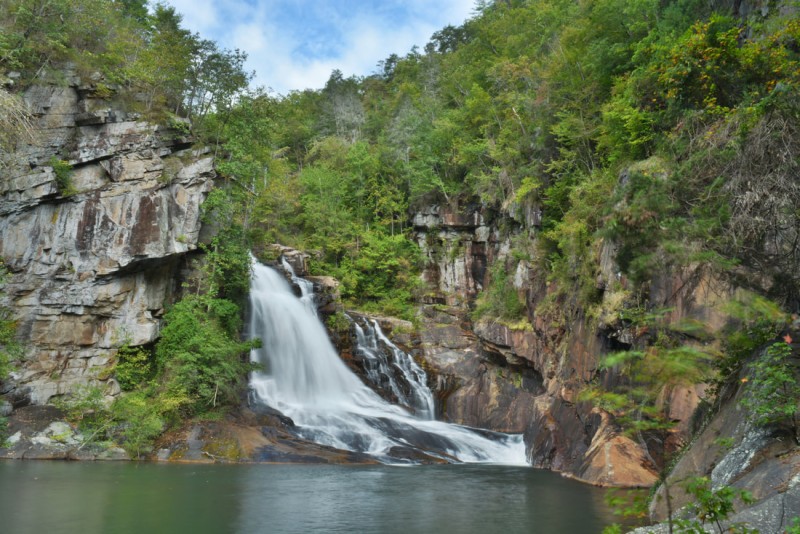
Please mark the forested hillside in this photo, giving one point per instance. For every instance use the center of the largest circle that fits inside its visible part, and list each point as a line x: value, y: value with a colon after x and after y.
x: 545, y: 104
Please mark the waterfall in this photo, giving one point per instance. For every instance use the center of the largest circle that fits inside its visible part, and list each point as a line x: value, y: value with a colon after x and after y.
x: 306, y: 287
x: 388, y: 367
x: 304, y: 378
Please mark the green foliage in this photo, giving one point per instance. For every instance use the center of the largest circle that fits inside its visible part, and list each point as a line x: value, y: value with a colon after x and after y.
x: 712, y: 506
x: 198, y: 355
x: 139, y: 422
x: 638, y: 220
x: 627, y: 503
x: 226, y: 267
x: 542, y: 102
x: 571, y: 245
x: 10, y: 349
x: 134, y: 367
x: 3, y: 432
x: 156, y: 63
x: 63, y: 173
x: 773, y: 389
x: 338, y: 322
x: 133, y: 420
x: 755, y: 322
x: 38, y: 35
x: 381, y: 276
x: 665, y: 360
x: 500, y: 299
x: 87, y: 408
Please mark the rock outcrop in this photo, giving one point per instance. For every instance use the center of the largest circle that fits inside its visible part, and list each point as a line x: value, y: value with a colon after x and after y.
x: 526, y: 377
x: 732, y: 451
x: 96, y: 218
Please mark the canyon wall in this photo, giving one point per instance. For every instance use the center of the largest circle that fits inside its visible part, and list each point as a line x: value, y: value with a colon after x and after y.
x: 526, y: 376
x: 97, y: 215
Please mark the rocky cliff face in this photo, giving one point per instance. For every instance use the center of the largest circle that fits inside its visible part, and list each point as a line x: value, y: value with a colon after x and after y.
x: 94, y: 251
x: 732, y: 451
x: 526, y: 377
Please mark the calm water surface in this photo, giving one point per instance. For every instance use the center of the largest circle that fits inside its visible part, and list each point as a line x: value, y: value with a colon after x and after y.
x: 110, y: 498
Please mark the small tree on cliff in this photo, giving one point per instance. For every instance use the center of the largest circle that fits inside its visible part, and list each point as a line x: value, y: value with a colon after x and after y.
x: 666, y: 359
x: 773, y: 390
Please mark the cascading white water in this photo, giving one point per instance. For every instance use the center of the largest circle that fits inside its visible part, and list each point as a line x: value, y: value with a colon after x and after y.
x: 306, y: 287
x: 304, y: 378
x: 386, y: 368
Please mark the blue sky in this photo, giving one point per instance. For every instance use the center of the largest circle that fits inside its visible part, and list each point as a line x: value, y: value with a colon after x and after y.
x: 295, y: 44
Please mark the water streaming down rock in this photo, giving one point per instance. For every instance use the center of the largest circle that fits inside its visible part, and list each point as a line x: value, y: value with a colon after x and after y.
x: 305, y: 379
x: 391, y: 369
x: 306, y: 287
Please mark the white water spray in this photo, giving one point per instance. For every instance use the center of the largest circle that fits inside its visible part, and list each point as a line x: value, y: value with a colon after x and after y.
x: 305, y: 379
x: 388, y: 367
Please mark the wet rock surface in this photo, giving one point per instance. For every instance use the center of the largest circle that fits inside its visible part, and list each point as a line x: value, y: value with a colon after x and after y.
x: 254, y: 434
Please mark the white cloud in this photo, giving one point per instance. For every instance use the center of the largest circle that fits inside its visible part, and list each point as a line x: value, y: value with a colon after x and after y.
x: 296, y: 44
x: 198, y: 15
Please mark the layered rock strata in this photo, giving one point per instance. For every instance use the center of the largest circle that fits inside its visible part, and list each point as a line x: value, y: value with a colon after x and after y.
x: 96, y: 217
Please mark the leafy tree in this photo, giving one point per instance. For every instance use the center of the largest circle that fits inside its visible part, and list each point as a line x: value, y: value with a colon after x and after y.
x: 159, y: 70
x: 198, y: 355
x: 773, y: 391
x: 713, y: 506
x: 215, y: 79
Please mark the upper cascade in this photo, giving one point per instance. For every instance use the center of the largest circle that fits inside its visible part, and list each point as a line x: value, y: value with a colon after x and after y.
x: 304, y: 378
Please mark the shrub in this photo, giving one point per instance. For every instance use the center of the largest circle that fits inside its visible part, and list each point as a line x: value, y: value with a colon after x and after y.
x: 63, y: 173
x: 140, y: 422
x: 500, y: 299
x: 199, y: 356
x: 773, y: 389
x: 134, y: 367
x: 9, y: 347
x: 712, y: 506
